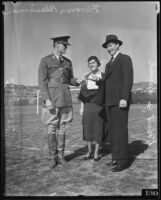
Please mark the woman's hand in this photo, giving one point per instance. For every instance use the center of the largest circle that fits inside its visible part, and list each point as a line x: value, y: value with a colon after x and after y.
x: 94, y: 78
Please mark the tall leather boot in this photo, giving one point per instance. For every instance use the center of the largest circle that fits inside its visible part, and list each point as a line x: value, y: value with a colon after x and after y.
x: 52, y: 144
x: 61, y: 147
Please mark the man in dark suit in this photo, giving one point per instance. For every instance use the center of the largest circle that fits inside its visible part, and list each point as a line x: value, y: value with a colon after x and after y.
x: 55, y: 74
x: 118, y: 83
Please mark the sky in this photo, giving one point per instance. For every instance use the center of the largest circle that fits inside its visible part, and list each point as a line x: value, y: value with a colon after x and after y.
x: 28, y: 27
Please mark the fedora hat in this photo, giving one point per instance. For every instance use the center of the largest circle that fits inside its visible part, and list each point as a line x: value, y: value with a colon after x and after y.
x: 111, y: 38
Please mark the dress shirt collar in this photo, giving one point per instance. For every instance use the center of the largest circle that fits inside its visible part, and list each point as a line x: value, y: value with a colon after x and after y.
x: 114, y: 56
x: 56, y: 56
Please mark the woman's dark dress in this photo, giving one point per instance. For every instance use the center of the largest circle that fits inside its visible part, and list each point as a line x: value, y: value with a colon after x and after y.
x: 94, y: 126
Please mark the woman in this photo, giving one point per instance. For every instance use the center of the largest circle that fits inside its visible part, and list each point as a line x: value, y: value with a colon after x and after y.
x: 94, y: 125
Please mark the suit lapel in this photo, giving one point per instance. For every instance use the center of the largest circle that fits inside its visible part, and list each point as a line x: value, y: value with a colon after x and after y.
x: 107, y: 69
x: 110, y: 67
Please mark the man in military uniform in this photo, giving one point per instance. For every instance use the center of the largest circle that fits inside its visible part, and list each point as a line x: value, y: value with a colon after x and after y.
x: 55, y: 74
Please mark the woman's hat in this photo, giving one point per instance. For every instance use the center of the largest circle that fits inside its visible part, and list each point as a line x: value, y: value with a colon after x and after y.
x: 94, y: 58
x: 111, y: 38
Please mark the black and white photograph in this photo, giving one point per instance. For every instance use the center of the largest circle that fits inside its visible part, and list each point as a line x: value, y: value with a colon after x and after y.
x: 81, y: 99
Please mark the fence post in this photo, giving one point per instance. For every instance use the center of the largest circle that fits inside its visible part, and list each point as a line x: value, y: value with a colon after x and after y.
x: 37, y: 104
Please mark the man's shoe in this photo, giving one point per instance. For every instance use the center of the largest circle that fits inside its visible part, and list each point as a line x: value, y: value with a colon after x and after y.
x: 96, y: 159
x: 61, y: 160
x: 118, y: 168
x: 53, y: 164
x: 112, y: 163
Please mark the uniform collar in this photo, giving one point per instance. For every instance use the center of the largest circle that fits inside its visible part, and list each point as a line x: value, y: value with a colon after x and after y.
x: 59, y: 58
x: 54, y: 55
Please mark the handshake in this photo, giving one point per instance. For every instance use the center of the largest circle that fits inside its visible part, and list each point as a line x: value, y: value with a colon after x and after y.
x: 86, y: 76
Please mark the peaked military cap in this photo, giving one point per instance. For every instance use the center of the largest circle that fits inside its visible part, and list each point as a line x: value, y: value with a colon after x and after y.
x: 61, y: 39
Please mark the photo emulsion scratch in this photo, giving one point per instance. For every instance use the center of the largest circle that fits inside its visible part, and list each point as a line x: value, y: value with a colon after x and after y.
x: 54, y: 9
x: 150, y: 127
x: 10, y: 122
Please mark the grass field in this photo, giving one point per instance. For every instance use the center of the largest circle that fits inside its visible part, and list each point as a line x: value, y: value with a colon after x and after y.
x: 26, y: 156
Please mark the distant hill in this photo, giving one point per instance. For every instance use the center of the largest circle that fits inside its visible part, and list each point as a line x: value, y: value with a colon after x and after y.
x: 144, y: 85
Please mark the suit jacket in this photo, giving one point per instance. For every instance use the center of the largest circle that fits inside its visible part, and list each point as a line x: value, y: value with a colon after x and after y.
x: 54, y: 79
x: 118, y: 80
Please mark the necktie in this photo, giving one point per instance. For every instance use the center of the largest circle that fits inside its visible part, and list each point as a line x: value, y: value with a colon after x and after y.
x: 60, y: 60
x: 111, y: 60
x: 110, y: 63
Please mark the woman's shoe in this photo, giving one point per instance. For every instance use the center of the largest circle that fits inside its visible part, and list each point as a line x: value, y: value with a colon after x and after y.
x: 90, y: 156
x: 96, y: 159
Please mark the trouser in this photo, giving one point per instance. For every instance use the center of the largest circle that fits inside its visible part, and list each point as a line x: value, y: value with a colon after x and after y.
x: 118, y: 133
x: 56, y: 142
x: 56, y: 120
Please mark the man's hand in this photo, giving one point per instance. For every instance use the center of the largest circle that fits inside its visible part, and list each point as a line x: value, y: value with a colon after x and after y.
x: 123, y: 103
x: 80, y: 80
x: 48, y: 104
x: 94, y: 78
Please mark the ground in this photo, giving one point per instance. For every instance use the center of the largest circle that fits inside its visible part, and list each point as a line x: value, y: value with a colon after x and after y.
x: 26, y: 158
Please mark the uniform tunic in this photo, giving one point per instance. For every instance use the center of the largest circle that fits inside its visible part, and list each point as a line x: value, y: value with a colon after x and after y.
x: 55, y: 76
